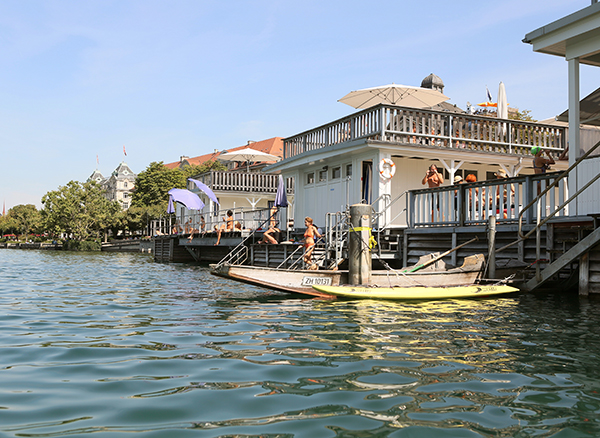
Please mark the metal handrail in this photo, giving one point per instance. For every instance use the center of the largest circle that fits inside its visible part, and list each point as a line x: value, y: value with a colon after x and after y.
x: 538, y: 199
x: 377, y: 215
x: 231, y: 254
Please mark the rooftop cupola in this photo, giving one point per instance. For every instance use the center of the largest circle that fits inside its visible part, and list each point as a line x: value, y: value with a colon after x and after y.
x: 434, y: 82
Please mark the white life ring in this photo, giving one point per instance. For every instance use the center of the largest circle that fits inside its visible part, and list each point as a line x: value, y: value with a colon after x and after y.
x: 387, y: 168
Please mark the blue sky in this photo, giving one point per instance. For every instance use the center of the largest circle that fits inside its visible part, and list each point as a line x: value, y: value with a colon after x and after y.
x: 80, y: 79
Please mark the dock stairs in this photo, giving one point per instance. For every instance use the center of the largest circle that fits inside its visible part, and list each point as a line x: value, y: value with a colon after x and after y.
x: 576, y: 253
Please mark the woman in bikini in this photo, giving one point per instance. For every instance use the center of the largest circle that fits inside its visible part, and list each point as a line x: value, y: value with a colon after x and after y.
x: 309, y: 239
x: 227, y: 226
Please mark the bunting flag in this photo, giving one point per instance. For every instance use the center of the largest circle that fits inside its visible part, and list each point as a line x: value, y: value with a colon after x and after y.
x: 125, y: 153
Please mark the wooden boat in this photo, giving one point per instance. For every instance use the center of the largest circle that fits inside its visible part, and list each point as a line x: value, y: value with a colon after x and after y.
x: 302, y: 281
x: 416, y: 293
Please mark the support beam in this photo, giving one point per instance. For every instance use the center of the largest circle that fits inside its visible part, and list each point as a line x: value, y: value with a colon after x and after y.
x: 574, y: 136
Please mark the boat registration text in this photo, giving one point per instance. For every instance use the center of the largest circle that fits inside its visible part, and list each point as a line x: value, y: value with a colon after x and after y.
x: 316, y: 281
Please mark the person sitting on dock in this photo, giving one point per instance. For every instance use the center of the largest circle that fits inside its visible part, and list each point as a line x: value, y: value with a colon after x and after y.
x: 310, y: 235
x: 272, y: 235
x: 227, y: 226
x: 188, y: 228
x: 176, y: 228
x: 195, y: 230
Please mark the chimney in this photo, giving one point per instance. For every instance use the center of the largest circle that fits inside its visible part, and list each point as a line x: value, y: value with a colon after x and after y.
x: 183, y: 157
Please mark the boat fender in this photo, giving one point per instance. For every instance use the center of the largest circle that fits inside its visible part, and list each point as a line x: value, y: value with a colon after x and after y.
x: 387, y: 168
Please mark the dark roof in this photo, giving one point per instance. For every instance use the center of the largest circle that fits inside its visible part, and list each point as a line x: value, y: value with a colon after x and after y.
x: 589, y: 110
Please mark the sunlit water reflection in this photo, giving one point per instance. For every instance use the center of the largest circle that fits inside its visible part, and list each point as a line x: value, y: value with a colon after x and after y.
x: 114, y: 343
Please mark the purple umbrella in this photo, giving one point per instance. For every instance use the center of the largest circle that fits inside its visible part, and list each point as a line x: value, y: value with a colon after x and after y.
x: 205, y: 189
x: 191, y: 200
x: 280, y: 196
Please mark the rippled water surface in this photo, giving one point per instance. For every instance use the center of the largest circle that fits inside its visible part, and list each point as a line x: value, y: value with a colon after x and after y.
x: 115, y: 344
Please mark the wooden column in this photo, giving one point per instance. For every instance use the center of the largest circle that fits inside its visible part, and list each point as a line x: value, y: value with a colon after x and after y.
x: 359, y: 252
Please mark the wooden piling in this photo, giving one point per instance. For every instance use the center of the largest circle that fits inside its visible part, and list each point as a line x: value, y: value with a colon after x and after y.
x: 359, y: 251
x: 492, y: 246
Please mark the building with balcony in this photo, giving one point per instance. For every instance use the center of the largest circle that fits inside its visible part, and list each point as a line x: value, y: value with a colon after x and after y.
x: 338, y: 164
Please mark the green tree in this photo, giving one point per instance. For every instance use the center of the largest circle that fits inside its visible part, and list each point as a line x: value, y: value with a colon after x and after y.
x: 191, y: 171
x: 153, y: 183
x: 524, y: 115
x: 79, y: 209
x: 8, y: 225
x: 24, y: 219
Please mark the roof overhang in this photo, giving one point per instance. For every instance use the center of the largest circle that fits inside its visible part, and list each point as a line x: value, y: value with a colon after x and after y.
x: 574, y: 36
x: 589, y: 110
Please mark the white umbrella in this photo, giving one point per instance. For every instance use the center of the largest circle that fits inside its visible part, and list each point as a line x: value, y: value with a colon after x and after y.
x: 502, y: 104
x: 502, y: 111
x: 393, y: 94
x: 248, y: 154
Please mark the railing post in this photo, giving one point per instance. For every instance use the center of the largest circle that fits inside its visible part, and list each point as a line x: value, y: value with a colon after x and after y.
x: 410, y: 209
x: 462, y: 201
x: 528, y: 198
x: 450, y: 129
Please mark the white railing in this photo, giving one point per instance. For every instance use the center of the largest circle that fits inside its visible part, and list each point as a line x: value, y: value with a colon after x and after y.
x: 394, y: 124
x: 474, y: 203
x: 239, y: 181
x: 248, y: 219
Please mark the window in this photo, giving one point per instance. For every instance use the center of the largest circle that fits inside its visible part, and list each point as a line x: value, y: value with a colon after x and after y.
x: 348, y: 170
x: 310, y: 178
x: 125, y: 184
x: 322, y: 175
x: 125, y: 196
x: 336, y: 173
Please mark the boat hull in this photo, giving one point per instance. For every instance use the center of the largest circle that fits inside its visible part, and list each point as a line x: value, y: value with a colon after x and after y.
x: 302, y: 281
x: 416, y: 293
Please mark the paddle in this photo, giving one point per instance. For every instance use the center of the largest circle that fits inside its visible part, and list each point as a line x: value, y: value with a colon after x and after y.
x: 435, y: 259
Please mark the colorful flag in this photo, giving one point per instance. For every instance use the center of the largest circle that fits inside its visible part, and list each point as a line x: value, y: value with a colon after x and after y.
x: 97, y: 160
x: 489, y: 95
x: 4, y: 208
x: 124, y: 150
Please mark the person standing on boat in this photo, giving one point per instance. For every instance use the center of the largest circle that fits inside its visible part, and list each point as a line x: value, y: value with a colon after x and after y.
x: 310, y: 235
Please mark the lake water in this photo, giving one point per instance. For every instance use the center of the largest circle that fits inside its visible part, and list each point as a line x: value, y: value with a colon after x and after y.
x: 117, y: 345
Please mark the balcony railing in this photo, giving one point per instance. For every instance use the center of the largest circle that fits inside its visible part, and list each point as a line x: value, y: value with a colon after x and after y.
x: 472, y: 204
x: 239, y: 181
x: 401, y: 125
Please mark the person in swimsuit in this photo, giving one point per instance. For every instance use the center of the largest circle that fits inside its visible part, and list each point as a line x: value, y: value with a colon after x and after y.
x: 227, y: 226
x: 310, y: 235
x: 541, y: 164
x: 432, y: 177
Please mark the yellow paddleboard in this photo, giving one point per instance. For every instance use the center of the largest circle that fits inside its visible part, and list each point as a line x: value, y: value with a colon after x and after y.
x: 416, y: 293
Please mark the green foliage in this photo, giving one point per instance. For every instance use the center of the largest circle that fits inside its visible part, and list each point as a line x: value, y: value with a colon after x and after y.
x: 524, y: 115
x: 21, y: 219
x: 152, y: 185
x: 86, y: 245
x: 78, y: 209
x: 191, y: 171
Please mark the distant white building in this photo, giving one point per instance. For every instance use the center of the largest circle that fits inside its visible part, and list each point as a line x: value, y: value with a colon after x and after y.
x: 118, y: 186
